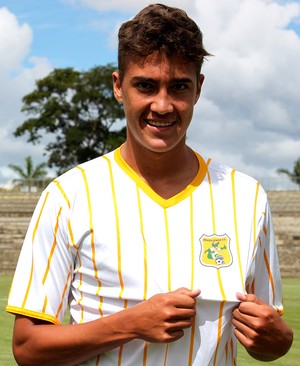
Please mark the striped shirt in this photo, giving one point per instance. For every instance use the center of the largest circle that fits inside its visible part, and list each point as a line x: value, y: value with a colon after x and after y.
x: 101, y: 240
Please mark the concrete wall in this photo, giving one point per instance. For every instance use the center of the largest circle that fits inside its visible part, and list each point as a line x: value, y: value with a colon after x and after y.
x: 16, y: 210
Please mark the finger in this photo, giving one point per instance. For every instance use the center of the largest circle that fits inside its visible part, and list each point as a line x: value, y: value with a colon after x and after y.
x: 249, y: 298
x: 188, y: 292
x: 174, y: 335
x: 240, y: 336
x: 241, y: 321
x: 183, y: 313
x: 184, y: 298
x: 179, y: 325
x: 195, y: 293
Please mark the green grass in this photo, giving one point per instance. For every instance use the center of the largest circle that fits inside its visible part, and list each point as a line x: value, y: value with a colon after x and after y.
x: 291, y: 291
x: 6, y: 325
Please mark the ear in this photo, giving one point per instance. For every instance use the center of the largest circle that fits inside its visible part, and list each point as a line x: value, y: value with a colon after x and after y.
x: 199, y: 87
x: 117, y: 87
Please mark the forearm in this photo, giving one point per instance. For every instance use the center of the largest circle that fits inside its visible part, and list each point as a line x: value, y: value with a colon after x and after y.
x: 47, y: 344
x: 162, y: 318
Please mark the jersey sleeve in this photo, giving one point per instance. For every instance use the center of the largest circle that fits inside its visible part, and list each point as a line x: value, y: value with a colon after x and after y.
x: 43, y: 274
x: 267, y: 278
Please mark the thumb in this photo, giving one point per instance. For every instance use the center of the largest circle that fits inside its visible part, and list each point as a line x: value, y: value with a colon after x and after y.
x: 249, y: 298
x: 188, y: 292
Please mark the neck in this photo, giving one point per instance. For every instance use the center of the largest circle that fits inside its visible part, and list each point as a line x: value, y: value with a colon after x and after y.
x: 167, y: 173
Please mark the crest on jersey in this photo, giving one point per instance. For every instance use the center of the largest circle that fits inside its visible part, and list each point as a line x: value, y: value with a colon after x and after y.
x: 215, y: 251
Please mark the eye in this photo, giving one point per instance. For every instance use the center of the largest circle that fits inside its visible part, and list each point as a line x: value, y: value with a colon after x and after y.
x: 144, y: 86
x: 179, y: 87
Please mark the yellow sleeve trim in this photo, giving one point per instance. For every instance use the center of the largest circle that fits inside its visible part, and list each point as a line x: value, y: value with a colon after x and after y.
x: 32, y: 314
x: 280, y: 311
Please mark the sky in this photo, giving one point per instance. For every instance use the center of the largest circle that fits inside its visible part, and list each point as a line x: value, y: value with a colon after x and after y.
x: 248, y: 113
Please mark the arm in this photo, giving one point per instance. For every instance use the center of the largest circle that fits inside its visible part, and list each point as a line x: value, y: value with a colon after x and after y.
x: 260, y: 329
x: 162, y: 318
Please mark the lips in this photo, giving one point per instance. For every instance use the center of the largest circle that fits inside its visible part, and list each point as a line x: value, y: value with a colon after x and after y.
x: 159, y: 123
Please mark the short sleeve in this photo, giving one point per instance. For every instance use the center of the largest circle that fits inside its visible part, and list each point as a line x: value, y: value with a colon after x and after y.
x: 43, y: 274
x: 267, y: 278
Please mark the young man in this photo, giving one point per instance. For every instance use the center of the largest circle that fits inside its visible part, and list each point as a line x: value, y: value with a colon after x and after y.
x: 165, y: 258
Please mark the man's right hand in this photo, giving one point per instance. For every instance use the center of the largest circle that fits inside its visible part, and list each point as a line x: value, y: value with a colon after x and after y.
x: 163, y: 317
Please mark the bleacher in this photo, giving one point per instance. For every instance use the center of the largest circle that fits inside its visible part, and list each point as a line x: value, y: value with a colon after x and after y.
x: 16, y: 209
x: 285, y: 208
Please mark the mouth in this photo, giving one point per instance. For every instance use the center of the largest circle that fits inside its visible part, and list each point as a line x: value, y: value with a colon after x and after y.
x: 155, y: 123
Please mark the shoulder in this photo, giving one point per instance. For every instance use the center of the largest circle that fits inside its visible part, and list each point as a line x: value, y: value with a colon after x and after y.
x: 75, y: 181
x: 221, y: 175
x: 91, y: 167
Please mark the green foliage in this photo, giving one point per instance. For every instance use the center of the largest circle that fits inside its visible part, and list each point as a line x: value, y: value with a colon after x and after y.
x: 79, y: 110
x: 29, y: 174
x: 294, y: 175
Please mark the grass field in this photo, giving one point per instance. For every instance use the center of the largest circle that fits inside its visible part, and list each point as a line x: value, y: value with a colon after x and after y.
x: 291, y: 288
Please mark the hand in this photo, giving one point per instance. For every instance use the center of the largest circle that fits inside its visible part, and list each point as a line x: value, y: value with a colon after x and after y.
x: 163, y: 317
x: 260, y: 329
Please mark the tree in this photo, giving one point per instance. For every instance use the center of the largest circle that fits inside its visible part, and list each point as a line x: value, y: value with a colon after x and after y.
x: 295, y: 174
x: 79, y: 110
x: 29, y: 174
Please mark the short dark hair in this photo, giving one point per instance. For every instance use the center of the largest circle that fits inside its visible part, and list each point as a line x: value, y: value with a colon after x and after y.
x: 164, y: 29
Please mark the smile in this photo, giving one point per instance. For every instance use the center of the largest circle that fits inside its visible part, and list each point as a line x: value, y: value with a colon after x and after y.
x: 159, y: 124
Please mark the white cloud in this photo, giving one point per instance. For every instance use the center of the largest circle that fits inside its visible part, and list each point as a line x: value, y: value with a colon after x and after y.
x: 248, y: 112
x: 15, y: 40
x: 128, y: 5
x: 16, y: 80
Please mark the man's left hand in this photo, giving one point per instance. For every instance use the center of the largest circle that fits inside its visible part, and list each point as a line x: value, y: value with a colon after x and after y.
x: 260, y: 329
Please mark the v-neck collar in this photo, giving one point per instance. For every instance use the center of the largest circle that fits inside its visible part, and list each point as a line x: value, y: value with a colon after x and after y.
x: 151, y: 193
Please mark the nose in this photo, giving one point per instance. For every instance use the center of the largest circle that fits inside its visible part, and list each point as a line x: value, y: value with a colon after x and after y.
x: 162, y: 103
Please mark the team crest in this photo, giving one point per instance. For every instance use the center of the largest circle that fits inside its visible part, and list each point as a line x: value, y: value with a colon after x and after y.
x: 215, y: 251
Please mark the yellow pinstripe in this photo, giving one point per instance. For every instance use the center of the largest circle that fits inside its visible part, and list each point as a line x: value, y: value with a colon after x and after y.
x: 236, y: 228
x: 45, y: 304
x: 33, y: 237
x: 117, y: 228
x: 219, y: 330
x: 192, y: 277
x: 62, y: 192
x: 52, y: 248
x: 168, y: 249
x: 144, y: 243
x: 218, y: 271
x: 88, y: 197
x: 64, y: 292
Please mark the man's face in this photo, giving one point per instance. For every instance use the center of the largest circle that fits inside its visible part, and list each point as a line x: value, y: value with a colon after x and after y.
x: 158, y: 94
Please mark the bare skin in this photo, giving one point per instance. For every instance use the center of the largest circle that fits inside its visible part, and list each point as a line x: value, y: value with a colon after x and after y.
x: 162, y: 319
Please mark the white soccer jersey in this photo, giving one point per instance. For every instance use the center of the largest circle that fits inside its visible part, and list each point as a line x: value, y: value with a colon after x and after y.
x: 103, y: 240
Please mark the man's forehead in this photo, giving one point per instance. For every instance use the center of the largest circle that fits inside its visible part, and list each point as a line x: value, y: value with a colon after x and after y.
x: 158, y: 65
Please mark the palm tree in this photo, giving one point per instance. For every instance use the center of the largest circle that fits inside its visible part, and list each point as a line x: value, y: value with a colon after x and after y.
x: 295, y: 174
x: 29, y: 173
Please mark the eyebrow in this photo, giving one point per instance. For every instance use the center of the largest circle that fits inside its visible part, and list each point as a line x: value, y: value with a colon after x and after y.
x: 152, y: 80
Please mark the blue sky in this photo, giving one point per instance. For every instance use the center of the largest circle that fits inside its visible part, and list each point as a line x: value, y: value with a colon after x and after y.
x: 248, y: 113
x: 68, y: 35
